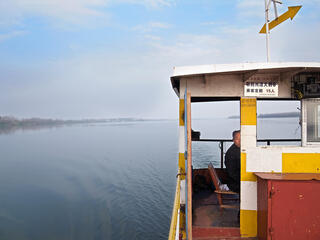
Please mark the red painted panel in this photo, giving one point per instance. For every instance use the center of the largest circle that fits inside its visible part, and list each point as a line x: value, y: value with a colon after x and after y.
x: 207, y: 232
x: 295, y: 210
x: 262, y: 208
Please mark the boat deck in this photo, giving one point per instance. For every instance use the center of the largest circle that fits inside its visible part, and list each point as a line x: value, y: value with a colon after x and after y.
x: 209, y: 220
x: 207, y: 212
x: 212, y: 222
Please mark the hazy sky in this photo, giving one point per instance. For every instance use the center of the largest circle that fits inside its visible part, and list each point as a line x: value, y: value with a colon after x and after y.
x: 114, y: 58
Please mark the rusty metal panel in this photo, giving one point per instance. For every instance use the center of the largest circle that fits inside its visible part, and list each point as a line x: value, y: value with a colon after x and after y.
x: 295, y: 210
x: 262, y: 191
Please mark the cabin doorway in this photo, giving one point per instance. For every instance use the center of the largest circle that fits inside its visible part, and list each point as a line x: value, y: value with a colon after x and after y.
x: 212, y: 127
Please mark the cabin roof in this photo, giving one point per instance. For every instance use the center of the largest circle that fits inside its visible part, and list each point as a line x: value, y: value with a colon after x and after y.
x: 240, y: 68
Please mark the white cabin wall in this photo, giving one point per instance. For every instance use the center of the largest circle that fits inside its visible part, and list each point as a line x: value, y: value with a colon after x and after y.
x: 228, y: 85
x: 215, y: 85
x: 285, y: 87
x: 270, y: 158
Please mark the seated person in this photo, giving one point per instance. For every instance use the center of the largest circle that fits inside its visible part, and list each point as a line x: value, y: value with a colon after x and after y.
x: 232, y: 162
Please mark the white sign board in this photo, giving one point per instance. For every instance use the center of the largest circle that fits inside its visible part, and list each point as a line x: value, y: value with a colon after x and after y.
x: 262, y: 85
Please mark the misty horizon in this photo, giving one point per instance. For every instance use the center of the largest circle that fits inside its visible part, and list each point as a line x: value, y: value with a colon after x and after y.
x: 92, y: 59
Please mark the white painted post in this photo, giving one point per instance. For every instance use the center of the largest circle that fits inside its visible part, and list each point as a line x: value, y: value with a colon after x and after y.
x: 267, y: 27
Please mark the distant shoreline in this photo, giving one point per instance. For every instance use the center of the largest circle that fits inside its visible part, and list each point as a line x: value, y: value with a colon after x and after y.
x: 12, y: 124
x: 274, y: 115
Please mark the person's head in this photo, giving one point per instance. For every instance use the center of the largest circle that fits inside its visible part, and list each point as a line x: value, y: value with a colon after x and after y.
x: 236, y: 138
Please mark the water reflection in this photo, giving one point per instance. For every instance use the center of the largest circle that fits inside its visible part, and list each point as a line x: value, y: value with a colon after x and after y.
x: 13, y: 129
x: 88, y: 182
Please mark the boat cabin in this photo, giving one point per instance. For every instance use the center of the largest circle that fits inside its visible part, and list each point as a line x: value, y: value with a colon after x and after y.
x: 279, y: 184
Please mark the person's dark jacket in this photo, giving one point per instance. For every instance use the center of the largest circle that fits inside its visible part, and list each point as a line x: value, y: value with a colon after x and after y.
x: 232, y: 162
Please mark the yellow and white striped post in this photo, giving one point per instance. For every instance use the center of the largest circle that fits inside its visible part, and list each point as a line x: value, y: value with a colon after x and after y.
x: 248, y: 203
x: 182, y: 159
x: 181, y: 162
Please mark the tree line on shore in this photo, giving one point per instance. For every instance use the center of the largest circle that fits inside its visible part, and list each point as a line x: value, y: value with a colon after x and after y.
x: 13, y: 122
x: 9, y: 124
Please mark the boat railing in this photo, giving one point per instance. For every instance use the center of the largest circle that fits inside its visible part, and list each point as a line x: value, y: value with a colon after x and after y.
x: 222, y: 141
x: 174, y: 226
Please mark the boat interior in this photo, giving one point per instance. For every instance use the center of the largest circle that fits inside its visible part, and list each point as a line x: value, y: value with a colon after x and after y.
x: 215, y: 212
x: 207, y: 211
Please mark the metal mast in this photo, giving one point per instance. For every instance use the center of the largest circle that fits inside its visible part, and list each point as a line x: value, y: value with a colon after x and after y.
x: 267, y: 7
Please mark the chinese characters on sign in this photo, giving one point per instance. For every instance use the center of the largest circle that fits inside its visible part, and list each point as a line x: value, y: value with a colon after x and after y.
x: 262, y: 85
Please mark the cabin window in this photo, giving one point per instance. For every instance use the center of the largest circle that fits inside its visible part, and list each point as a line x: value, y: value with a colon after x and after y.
x: 313, y: 120
x: 214, y: 122
x: 278, y: 123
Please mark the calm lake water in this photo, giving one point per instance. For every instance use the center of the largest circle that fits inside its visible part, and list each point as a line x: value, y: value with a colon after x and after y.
x: 102, y: 181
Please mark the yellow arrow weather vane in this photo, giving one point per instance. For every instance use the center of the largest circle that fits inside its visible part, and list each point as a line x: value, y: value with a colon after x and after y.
x: 292, y: 11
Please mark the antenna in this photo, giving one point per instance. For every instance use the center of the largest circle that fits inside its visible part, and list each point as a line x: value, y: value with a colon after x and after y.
x: 267, y: 7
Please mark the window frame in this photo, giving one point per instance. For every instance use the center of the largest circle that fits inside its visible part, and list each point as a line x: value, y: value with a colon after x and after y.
x: 305, y: 104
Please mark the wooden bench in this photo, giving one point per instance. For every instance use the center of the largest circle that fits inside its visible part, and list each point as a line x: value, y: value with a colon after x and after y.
x: 217, y: 184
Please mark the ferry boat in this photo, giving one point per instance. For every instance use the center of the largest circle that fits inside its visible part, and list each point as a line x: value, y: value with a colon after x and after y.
x: 280, y: 184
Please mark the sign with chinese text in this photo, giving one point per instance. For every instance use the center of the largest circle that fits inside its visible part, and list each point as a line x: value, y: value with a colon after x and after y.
x: 262, y: 85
